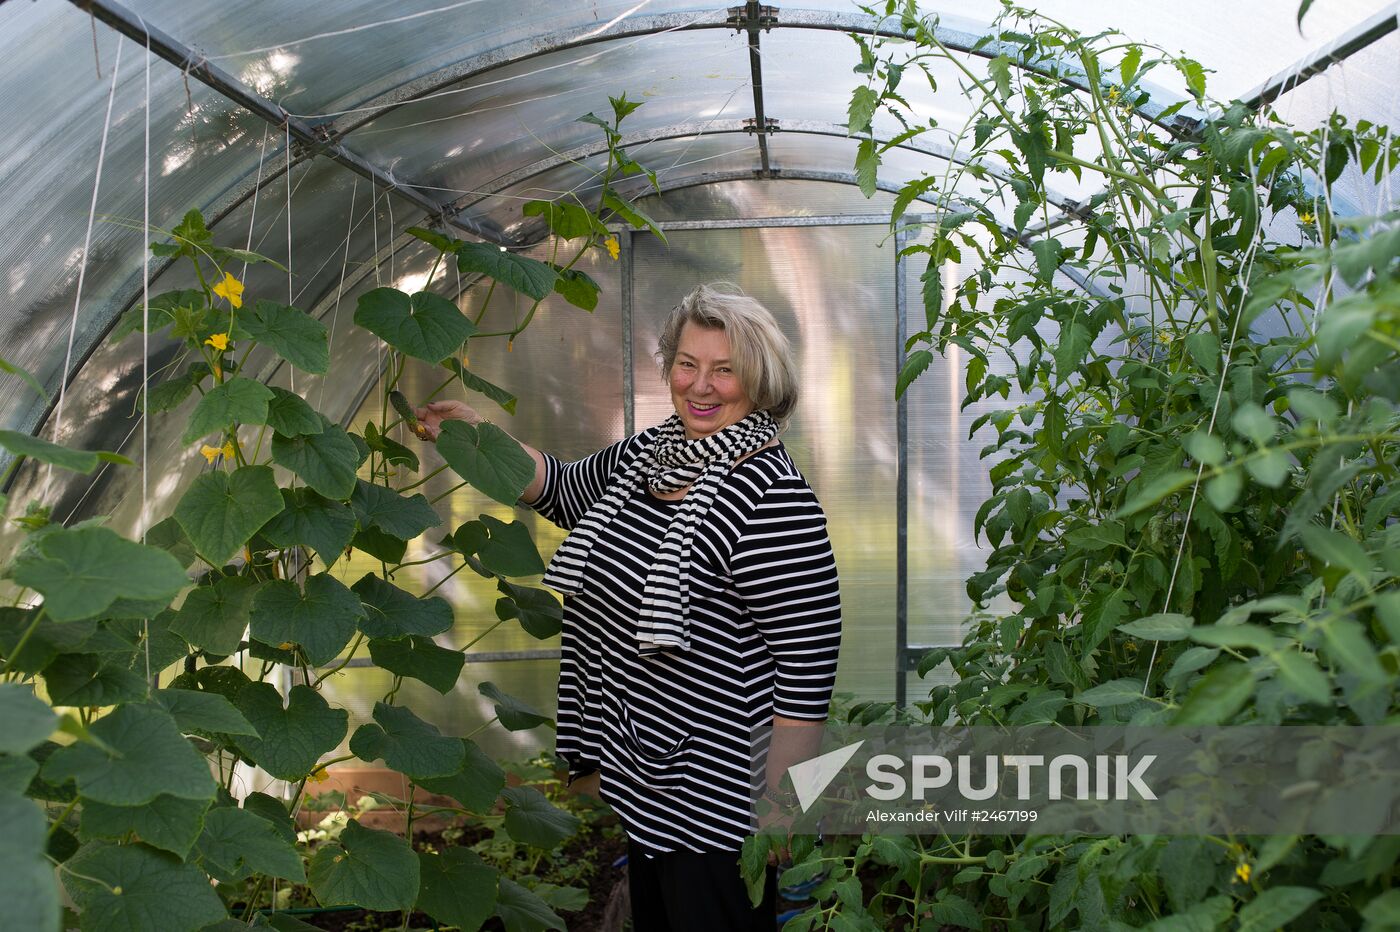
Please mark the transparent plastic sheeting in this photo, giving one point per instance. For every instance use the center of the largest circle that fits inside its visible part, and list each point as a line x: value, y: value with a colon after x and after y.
x: 199, y: 146
x: 207, y: 151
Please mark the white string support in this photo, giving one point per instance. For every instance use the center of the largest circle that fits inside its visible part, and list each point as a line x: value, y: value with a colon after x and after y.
x: 82, y: 266
x: 344, y: 267
x: 1225, y: 359
x: 290, y: 298
x: 253, y: 211
x: 146, y: 341
x: 389, y: 201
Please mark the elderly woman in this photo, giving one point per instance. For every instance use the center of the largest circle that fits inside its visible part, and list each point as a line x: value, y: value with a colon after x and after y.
x: 701, y: 604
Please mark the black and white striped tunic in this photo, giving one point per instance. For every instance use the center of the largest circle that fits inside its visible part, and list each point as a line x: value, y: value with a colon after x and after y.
x: 670, y: 732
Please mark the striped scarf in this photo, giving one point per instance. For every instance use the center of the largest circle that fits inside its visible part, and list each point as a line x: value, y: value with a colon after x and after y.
x: 668, y: 464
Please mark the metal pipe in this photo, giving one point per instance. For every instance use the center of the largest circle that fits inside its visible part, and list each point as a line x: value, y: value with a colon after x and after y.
x: 751, y: 24
x: 1348, y: 44
x: 901, y: 482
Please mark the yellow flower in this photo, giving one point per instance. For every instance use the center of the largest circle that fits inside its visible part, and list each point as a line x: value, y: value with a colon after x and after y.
x: 1164, y: 336
x: 1113, y: 95
x: 231, y: 290
x: 219, y: 341
x: 227, y: 449
x: 318, y: 775
x: 1243, y: 872
x: 1306, y: 217
x: 210, y: 453
x: 614, y: 248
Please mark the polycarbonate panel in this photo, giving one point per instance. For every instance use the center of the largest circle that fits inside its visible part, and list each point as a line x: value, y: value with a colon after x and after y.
x: 832, y: 291
x: 506, y: 120
x: 1242, y: 43
x: 764, y: 199
x: 54, y: 129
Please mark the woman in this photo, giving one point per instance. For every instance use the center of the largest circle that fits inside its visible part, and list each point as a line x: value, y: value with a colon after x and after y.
x: 701, y: 603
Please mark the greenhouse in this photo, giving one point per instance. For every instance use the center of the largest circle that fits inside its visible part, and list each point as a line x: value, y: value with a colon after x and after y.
x: 434, y: 436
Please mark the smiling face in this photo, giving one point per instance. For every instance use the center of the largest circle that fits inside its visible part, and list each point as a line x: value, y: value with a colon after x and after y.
x: 705, y: 389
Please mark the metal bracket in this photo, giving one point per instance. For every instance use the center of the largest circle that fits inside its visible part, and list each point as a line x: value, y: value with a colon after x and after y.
x: 765, y: 17
x: 770, y: 125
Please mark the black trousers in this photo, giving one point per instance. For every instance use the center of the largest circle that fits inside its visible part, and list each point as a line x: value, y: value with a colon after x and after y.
x: 687, y: 891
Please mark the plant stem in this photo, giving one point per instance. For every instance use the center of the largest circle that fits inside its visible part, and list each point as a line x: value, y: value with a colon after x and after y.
x: 359, y: 638
x: 443, y: 580
x: 414, y: 485
x: 468, y: 646
x: 23, y: 640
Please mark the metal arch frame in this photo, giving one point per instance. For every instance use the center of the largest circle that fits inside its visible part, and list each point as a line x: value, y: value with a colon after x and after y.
x: 980, y: 44
x: 712, y: 128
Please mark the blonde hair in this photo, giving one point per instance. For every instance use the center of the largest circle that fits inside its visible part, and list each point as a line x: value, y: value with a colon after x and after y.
x: 762, y: 355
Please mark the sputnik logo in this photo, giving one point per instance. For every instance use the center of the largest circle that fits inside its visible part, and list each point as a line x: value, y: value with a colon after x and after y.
x: 811, y: 777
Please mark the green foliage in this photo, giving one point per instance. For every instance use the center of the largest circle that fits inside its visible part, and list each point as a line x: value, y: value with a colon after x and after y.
x: 36, y: 448
x: 320, y: 618
x: 301, y: 340
x: 25, y: 721
x: 289, y: 740
x: 124, y: 887
x: 81, y: 572
x: 221, y: 510
x: 419, y: 658
x: 325, y: 461
x: 488, y: 458
x: 425, y: 326
x: 1192, y: 506
x: 167, y: 822
x: 138, y: 754
x: 367, y: 867
x: 27, y: 880
x: 456, y: 887
x: 407, y: 744
x: 138, y: 805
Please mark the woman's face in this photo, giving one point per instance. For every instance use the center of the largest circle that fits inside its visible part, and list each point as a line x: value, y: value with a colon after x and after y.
x: 704, y: 387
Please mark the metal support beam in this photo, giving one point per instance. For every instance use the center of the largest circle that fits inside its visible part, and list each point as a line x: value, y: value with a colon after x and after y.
x: 1351, y: 42
x: 752, y: 18
x: 901, y: 481
x: 316, y: 139
x: 629, y: 386
x: 752, y: 223
x: 914, y: 653
x: 482, y: 656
